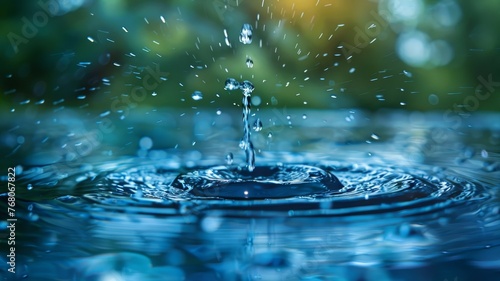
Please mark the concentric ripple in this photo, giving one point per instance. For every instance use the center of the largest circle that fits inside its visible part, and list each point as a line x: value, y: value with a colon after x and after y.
x: 264, y: 182
x: 302, y: 190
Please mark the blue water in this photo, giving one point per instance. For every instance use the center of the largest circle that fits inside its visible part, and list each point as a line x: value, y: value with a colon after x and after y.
x: 377, y: 198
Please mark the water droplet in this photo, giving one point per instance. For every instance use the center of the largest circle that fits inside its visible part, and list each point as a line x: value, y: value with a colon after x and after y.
x: 231, y: 84
x: 484, y: 153
x: 270, y: 135
x: 246, y: 34
x: 407, y: 73
x: 304, y: 116
x: 433, y: 99
x: 352, y: 70
x: 274, y: 101
x: 256, y: 100
x: 29, y: 186
x: 229, y: 158
x: 257, y: 125
x: 145, y: 143
x: 211, y: 224
x: 197, y: 95
x: 247, y: 87
x: 219, y: 112
x: 249, y: 63
x: 375, y: 137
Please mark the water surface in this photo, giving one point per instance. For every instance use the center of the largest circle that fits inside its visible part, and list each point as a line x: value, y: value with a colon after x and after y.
x: 388, y: 196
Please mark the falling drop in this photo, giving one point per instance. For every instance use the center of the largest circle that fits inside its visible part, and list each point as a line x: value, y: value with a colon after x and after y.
x: 231, y: 84
x: 197, y: 95
x: 257, y: 125
x: 29, y: 186
x: 249, y: 63
x: 219, y: 112
x: 246, y: 34
x: 304, y: 116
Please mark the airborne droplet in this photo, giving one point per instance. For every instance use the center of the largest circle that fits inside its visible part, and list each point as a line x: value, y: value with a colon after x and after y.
x: 249, y: 63
x: 197, y: 95
x: 231, y: 84
x: 246, y: 34
x: 257, y: 125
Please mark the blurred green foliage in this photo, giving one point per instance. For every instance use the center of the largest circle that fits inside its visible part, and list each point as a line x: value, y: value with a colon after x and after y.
x: 301, y: 52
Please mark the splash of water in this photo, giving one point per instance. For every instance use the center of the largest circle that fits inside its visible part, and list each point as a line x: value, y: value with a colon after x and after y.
x: 246, y: 143
x: 247, y: 88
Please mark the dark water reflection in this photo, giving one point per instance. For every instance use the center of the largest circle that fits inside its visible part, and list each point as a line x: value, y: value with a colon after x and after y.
x: 414, y: 205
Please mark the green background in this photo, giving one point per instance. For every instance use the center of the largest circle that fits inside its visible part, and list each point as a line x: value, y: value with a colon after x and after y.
x: 297, y: 66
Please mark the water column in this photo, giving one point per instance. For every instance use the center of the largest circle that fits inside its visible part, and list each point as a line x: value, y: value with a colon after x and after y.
x: 247, y: 89
x: 246, y: 143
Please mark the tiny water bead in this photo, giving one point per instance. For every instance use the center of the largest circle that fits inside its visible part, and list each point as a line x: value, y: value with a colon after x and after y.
x: 197, y: 95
